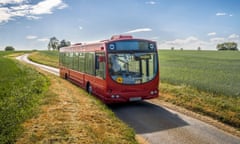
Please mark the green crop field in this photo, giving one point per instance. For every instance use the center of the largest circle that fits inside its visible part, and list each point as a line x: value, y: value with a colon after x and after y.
x: 210, y: 71
x: 21, y: 87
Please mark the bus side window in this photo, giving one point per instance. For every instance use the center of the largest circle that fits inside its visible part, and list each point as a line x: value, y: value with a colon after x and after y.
x: 81, y: 62
x: 89, y: 63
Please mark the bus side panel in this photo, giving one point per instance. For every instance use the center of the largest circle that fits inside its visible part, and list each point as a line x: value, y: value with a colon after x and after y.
x: 77, y: 77
x: 63, y: 72
x: 98, y: 85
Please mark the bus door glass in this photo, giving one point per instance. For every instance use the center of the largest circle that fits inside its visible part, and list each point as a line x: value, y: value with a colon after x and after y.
x: 100, y: 64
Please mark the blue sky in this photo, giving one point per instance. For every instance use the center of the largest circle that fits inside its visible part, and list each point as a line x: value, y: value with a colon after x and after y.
x: 187, y: 24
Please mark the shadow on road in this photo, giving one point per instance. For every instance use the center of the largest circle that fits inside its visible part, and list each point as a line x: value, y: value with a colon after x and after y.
x: 146, y: 117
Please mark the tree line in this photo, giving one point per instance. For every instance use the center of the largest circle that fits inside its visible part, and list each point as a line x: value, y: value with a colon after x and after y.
x: 220, y: 47
x: 227, y: 46
x: 55, y: 44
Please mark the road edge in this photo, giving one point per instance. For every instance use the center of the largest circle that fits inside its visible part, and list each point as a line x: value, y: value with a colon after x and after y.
x: 201, y: 117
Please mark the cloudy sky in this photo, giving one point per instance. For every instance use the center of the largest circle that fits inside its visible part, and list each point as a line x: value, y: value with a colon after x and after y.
x: 187, y: 24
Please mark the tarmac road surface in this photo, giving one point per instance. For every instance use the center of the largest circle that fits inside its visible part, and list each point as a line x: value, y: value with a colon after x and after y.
x: 160, y: 125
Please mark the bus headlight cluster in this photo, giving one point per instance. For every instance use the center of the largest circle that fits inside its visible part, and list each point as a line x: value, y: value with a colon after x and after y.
x: 153, y: 92
x: 115, y: 96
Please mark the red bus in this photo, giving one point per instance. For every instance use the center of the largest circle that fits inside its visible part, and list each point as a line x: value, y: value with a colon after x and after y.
x: 121, y: 69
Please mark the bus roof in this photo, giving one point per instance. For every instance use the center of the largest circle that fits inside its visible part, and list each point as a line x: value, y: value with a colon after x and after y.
x: 117, y: 37
x: 99, y: 44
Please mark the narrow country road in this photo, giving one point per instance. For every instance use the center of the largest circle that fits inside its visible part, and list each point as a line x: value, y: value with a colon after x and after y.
x: 160, y: 125
x: 52, y: 70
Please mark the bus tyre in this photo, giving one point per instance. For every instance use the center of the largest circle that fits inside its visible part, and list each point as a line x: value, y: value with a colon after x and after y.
x: 66, y: 76
x: 89, y: 89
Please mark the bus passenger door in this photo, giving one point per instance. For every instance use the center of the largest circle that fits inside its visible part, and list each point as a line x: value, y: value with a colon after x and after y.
x: 100, y: 66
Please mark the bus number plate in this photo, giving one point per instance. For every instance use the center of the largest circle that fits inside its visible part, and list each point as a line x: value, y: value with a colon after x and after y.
x: 135, y: 99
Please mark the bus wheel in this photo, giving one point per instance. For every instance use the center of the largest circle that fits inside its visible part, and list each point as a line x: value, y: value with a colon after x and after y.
x: 89, y: 88
x: 66, y: 76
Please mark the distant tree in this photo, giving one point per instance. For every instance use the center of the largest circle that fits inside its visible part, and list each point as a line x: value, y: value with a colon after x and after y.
x: 9, y: 48
x: 199, y: 48
x: 181, y: 49
x: 172, y: 48
x: 64, y: 43
x: 227, y: 46
x: 53, y: 43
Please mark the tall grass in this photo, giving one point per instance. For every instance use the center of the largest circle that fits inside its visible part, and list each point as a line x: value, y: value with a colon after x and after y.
x: 21, y: 88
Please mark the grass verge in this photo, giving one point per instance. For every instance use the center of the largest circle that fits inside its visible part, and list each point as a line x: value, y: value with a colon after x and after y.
x: 21, y: 89
x: 70, y: 115
x: 223, y: 108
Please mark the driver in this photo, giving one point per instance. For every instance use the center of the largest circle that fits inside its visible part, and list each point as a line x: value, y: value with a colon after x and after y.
x: 114, y: 65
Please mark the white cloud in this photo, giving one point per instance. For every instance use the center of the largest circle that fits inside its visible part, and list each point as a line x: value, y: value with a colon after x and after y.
x: 221, y: 14
x: 33, y: 37
x: 20, y: 11
x: 31, y: 17
x: 21, y: 8
x: 217, y: 39
x: 139, y: 30
x: 80, y: 27
x: 46, y: 7
x: 233, y: 36
x: 188, y: 40
x: 5, y: 16
x: 192, y: 43
x: 4, y: 2
x: 43, y: 40
x: 151, y: 2
x: 211, y: 33
x: 62, y: 6
x: 30, y: 37
x: 188, y: 43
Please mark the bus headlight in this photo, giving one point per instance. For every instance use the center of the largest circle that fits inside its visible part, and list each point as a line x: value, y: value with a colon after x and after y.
x: 153, y: 92
x: 115, y: 96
